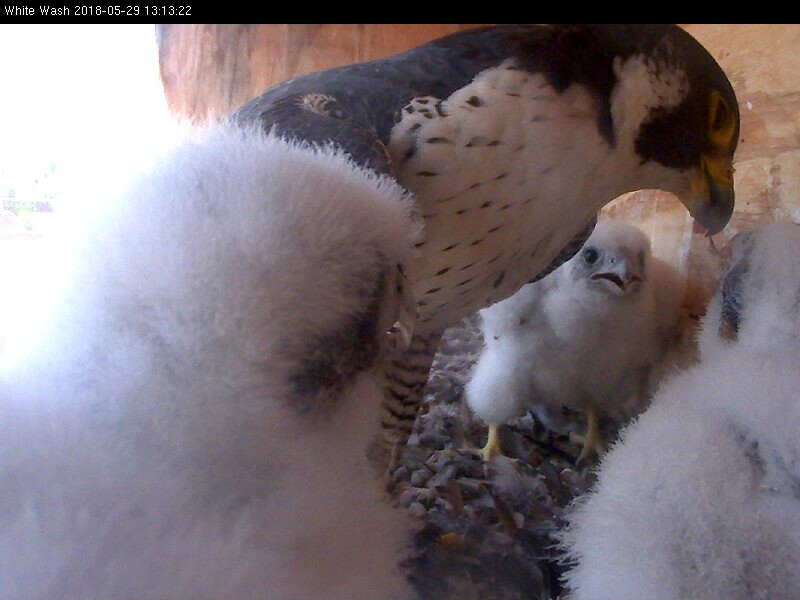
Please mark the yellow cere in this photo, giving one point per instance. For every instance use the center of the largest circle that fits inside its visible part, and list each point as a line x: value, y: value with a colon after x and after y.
x: 720, y: 169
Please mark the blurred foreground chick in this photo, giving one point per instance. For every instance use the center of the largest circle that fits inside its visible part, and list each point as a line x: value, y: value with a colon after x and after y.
x: 701, y: 496
x: 584, y: 337
x: 195, y: 422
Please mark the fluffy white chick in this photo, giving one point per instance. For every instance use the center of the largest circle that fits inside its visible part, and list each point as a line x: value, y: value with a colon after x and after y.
x: 701, y: 496
x: 584, y: 337
x: 194, y: 423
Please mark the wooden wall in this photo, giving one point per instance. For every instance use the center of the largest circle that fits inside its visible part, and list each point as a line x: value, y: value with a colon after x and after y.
x: 209, y: 70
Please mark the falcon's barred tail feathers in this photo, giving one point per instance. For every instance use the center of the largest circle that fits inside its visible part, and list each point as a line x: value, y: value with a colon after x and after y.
x: 195, y: 421
x: 511, y: 139
x: 699, y: 499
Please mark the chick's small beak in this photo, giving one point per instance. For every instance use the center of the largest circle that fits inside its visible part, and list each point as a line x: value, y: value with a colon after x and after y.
x: 625, y: 279
x: 712, y: 194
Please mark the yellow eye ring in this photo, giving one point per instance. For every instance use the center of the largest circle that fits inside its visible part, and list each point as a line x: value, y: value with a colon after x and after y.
x: 721, y: 124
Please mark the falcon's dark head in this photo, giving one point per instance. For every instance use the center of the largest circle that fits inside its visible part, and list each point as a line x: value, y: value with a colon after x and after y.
x: 664, y: 98
x: 685, y: 115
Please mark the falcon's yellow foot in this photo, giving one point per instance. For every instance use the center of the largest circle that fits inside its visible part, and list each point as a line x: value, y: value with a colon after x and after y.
x: 492, y: 446
x: 592, y: 442
x: 401, y: 331
x: 394, y: 458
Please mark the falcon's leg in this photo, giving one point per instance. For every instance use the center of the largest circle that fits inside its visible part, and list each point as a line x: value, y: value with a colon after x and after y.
x: 405, y: 374
x: 592, y: 442
x: 492, y: 446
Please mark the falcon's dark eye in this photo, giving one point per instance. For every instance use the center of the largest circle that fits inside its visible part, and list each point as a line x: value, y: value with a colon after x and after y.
x: 721, y: 122
x: 721, y: 116
x: 590, y: 256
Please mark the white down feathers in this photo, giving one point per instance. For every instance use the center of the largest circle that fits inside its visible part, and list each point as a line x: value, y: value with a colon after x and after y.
x: 700, y: 499
x: 154, y: 445
x: 566, y: 341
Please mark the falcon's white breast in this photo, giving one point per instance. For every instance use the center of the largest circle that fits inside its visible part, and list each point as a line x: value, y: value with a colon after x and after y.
x: 494, y: 196
x: 499, y: 199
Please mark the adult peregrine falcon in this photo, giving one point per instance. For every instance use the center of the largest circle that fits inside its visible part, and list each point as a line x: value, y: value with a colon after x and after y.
x: 512, y: 138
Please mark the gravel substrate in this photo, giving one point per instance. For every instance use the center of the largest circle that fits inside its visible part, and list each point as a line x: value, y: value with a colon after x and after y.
x: 485, y: 530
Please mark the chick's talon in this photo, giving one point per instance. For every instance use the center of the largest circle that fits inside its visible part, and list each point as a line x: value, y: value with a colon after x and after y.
x: 492, y: 446
x: 592, y: 443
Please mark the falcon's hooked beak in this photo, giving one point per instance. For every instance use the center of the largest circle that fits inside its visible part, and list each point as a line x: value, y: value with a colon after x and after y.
x: 621, y: 280
x: 711, y: 201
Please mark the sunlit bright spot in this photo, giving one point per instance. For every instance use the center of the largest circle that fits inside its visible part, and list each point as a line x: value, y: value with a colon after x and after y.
x: 80, y: 104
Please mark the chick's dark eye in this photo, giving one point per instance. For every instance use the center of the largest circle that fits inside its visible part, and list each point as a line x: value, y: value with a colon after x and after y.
x: 590, y: 256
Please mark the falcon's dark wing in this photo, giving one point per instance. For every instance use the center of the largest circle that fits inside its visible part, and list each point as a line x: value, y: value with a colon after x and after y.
x: 356, y: 106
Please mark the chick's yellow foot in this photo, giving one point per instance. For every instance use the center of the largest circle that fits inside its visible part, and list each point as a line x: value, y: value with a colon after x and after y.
x: 589, y: 447
x: 492, y: 446
x: 592, y: 443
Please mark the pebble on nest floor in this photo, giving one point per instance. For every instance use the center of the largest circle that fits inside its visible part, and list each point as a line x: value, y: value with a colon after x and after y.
x: 485, y: 533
